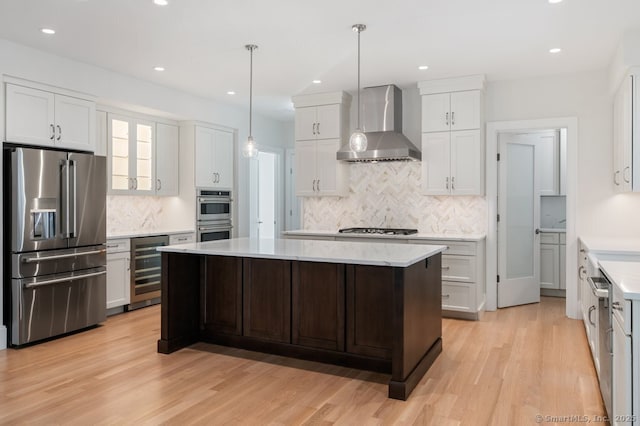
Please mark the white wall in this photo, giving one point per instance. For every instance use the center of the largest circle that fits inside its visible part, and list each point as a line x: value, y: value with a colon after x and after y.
x: 127, y: 92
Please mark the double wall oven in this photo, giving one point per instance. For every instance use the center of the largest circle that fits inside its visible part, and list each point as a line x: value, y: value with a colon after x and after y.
x: 213, y: 215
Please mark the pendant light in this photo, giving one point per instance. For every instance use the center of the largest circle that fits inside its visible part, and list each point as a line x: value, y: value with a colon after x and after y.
x: 250, y: 149
x: 358, y: 140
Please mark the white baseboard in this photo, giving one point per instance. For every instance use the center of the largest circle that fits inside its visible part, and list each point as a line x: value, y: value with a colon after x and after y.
x: 3, y: 337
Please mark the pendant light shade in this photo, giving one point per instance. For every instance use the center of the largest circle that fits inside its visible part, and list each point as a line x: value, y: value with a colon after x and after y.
x: 358, y: 140
x: 250, y: 149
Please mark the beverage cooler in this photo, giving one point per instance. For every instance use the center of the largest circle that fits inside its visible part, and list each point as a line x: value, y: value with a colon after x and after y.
x: 146, y: 270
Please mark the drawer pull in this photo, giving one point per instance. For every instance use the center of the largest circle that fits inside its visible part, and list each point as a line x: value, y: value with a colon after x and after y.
x: 113, y: 245
x: 617, y: 306
x: 446, y: 296
x: 446, y: 268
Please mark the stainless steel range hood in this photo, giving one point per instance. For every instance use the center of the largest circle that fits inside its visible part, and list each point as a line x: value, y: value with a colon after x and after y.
x: 382, y: 113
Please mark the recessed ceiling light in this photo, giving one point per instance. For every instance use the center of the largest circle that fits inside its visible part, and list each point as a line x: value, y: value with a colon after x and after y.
x: 161, y: 2
x: 423, y: 67
x: 158, y: 68
x: 48, y: 31
x: 317, y: 81
x: 231, y: 92
x: 554, y: 1
x: 555, y: 50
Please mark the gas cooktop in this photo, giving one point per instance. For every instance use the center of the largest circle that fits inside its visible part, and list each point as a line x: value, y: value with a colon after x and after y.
x: 385, y: 231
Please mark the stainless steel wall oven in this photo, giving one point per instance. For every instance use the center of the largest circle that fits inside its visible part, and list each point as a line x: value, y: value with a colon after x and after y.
x: 213, y: 219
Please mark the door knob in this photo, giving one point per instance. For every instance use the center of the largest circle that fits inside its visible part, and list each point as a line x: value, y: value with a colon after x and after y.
x: 537, y: 231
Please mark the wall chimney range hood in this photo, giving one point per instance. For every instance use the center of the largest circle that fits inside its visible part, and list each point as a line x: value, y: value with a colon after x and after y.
x: 382, y: 111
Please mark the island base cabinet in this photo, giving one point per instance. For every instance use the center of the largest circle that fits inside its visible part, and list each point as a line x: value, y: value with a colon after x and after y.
x: 267, y: 299
x: 318, y: 305
x: 370, y: 311
x: 222, y: 295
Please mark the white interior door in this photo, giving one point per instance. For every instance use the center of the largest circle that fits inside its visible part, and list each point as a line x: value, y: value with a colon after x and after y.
x: 519, y: 210
x: 267, y: 194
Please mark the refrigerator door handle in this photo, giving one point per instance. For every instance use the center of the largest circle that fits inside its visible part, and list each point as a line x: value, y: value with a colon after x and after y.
x: 61, y: 256
x: 65, y: 279
x: 64, y: 198
x: 73, y: 232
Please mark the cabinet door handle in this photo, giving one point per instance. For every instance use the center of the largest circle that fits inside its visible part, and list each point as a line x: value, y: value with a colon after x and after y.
x: 217, y: 177
x: 615, y: 175
x: 453, y: 118
x: 591, y: 309
x: 313, y: 185
x: 53, y: 132
x: 318, y: 185
x: 582, y: 269
x: 318, y: 127
x: 624, y: 174
x: 59, y: 132
x: 616, y: 306
x: 446, y: 118
x: 158, y: 185
x: 314, y: 128
x: 446, y: 182
x: 135, y: 183
x: 453, y: 182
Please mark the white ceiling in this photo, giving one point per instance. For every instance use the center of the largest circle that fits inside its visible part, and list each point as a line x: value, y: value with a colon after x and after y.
x: 201, y: 42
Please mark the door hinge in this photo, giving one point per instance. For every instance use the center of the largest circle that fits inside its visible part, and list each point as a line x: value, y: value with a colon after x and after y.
x: 498, y: 156
x: 498, y: 218
x: 498, y: 278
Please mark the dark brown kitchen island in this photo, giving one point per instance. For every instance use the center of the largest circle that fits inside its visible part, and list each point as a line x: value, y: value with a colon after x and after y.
x: 368, y: 306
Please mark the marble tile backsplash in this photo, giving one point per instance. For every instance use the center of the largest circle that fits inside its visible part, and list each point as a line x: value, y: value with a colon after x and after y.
x: 132, y: 213
x: 389, y: 195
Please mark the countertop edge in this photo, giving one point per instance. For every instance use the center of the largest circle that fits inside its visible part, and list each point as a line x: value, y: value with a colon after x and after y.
x: 134, y: 234
x: 617, y: 277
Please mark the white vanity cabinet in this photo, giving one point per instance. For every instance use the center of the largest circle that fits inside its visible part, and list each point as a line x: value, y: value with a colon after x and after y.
x: 118, y: 272
x: 38, y: 115
x: 453, y: 136
x: 321, y: 128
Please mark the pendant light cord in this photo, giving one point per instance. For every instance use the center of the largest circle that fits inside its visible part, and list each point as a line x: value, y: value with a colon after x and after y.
x: 251, y: 90
x: 359, y: 79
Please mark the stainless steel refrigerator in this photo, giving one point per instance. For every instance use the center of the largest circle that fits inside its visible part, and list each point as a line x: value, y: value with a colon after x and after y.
x: 55, y: 258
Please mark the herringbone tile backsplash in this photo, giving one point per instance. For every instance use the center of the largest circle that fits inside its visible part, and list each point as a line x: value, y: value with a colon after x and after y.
x: 131, y: 213
x: 389, y: 195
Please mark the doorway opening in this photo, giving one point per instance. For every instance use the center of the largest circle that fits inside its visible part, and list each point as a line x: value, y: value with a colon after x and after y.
x: 266, y: 195
x: 494, y: 129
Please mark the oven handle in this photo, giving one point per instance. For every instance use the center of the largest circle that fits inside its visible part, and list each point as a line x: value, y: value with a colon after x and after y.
x: 215, y: 228
x: 598, y: 292
x: 65, y: 279
x: 215, y: 200
x: 61, y: 256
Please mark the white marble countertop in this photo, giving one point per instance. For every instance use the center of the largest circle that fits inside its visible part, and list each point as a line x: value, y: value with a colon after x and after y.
x: 622, y: 246
x: 418, y: 236
x: 147, y: 233
x: 624, y: 275
x: 359, y: 253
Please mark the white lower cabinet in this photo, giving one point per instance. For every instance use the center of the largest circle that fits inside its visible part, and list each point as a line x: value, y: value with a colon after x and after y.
x: 622, y: 378
x: 118, y: 273
x: 188, y: 237
x: 552, y: 261
x: 463, y: 282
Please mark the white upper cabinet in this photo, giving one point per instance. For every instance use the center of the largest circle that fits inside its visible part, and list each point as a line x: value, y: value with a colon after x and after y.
x: 167, y: 159
x: 318, y: 122
x: 101, y: 134
x: 548, y: 160
x: 131, y: 159
x: 450, y: 163
x: 453, y: 136
x: 40, y: 117
x: 320, y: 130
x: 625, y: 126
x: 451, y: 111
x: 214, y: 158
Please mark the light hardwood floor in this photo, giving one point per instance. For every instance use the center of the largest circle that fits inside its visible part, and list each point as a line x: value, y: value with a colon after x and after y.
x: 512, y: 365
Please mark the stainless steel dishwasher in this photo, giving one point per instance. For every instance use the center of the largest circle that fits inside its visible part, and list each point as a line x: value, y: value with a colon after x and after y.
x: 146, y: 270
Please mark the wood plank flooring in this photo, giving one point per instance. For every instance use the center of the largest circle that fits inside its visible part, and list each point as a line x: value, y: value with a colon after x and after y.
x: 512, y: 365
